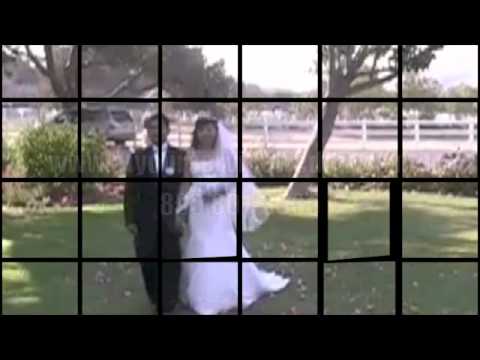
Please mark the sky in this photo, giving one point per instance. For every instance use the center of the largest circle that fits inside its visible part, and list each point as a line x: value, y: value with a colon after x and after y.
x: 267, y: 65
x: 455, y: 64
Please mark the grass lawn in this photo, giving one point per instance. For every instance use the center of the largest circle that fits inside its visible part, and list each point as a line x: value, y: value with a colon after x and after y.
x: 358, y: 224
x: 440, y: 288
x: 360, y: 288
x: 439, y: 226
x: 104, y: 232
x: 114, y: 288
x: 39, y: 288
x: 291, y: 230
x: 47, y: 233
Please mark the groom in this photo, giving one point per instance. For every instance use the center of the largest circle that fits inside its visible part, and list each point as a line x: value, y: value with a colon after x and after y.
x: 141, y: 207
x: 172, y: 167
x: 141, y: 211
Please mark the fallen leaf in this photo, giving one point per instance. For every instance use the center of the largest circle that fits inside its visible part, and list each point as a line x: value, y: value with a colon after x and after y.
x: 370, y: 307
x: 284, y: 247
x: 357, y: 311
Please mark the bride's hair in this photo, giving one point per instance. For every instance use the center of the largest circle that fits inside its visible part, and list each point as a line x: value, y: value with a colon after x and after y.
x: 199, y: 124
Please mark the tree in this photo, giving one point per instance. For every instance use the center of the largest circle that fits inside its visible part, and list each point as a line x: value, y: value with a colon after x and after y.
x: 120, y: 71
x: 187, y: 74
x: 57, y: 63
x: 351, y: 69
x: 416, y: 86
x: 119, y: 67
x: 462, y: 109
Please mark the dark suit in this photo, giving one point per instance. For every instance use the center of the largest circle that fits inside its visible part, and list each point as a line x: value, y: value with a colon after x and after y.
x: 170, y: 239
x: 141, y: 209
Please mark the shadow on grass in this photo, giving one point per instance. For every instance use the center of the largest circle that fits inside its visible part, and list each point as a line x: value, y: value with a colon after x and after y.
x: 363, y: 232
x: 360, y: 288
x: 49, y: 233
x: 114, y: 288
x: 104, y: 232
x: 39, y: 288
x: 440, y: 288
x: 439, y: 231
x: 284, y: 235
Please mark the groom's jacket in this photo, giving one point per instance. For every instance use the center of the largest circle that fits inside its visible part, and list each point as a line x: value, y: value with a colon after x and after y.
x: 141, y: 198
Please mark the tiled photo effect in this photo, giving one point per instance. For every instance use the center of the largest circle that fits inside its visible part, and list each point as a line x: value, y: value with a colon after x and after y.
x: 116, y: 224
x: 280, y: 139
x: 39, y: 140
x: 360, y: 288
x: 439, y: 75
x: 360, y: 140
x: 119, y: 288
x: 39, y: 288
x: 199, y: 222
x: 39, y: 220
x: 440, y: 219
x: 112, y: 132
x: 120, y: 71
x: 440, y: 288
x: 372, y: 71
x: 358, y: 220
x: 440, y: 139
x: 200, y: 71
x: 39, y: 71
x: 208, y: 131
x: 287, y: 289
x: 280, y: 71
x: 276, y: 226
x: 200, y: 288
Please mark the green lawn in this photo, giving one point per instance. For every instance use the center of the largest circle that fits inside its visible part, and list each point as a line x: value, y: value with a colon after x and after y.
x: 104, y: 232
x: 440, y: 288
x: 118, y: 288
x: 114, y: 288
x: 48, y: 233
x: 39, y: 288
x: 360, y: 288
x: 439, y: 226
x: 291, y: 231
x: 358, y: 224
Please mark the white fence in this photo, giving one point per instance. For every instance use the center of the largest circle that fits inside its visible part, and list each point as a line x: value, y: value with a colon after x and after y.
x: 351, y: 135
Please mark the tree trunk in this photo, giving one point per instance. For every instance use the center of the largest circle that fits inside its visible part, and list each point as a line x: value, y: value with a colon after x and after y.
x: 328, y: 122
x: 308, y: 167
x: 71, y: 73
x: 311, y: 156
x: 55, y: 80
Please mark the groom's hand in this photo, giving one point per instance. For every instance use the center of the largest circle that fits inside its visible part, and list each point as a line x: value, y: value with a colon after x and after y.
x: 133, y: 229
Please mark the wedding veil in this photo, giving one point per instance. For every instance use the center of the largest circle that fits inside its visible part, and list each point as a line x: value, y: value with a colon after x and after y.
x: 254, y: 204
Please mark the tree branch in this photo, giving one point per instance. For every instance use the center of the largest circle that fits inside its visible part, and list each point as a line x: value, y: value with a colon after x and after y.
x: 376, y: 72
x: 125, y: 83
x: 43, y: 70
x: 369, y: 84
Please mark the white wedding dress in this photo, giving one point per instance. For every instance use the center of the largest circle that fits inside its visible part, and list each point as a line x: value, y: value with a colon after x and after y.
x: 212, y: 287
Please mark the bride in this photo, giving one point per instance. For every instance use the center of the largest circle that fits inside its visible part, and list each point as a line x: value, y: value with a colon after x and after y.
x: 212, y: 287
